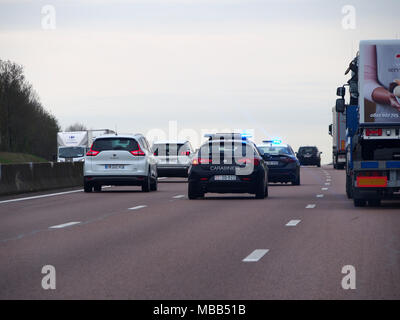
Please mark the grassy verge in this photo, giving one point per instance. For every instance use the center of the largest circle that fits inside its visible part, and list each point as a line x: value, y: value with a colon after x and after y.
x: 11, y: 157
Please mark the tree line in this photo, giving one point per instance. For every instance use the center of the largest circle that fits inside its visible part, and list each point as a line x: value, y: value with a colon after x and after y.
x: 25, y: 126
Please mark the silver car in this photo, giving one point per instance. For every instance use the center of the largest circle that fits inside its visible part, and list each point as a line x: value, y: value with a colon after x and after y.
x: 173, y: 158
x: 121, y: 160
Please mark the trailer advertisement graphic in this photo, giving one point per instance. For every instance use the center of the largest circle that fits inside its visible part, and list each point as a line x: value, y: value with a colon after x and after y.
x: 379, y: 82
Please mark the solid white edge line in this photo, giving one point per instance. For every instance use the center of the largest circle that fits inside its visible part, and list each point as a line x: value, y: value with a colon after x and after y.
x: 256, y: 255
x: 64, y: 225
x: 41, y: 196
x: 137, y: 207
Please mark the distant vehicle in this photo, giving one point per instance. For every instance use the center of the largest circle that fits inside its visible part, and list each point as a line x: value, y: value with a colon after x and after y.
x: 283, y: 166
x: 309, y: 156
x: 72, y: 146
x: 120, y: 160
x: 338, y: 132
x: 228, y: 166
x: 173, y: 158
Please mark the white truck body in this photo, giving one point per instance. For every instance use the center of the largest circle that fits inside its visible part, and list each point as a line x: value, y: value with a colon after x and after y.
x: 338, y: 138
x: 72, y: 146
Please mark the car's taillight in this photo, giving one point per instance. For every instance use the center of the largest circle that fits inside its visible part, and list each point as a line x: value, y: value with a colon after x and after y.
x: 198, y: 161
x: 373, y: 132
x: 138, y: 152
x: 254, y: 161
x: 288, y: 160
x: 92, y: 153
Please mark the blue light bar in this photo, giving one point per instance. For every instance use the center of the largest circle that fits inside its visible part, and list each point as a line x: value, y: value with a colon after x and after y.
x: 275, y: 141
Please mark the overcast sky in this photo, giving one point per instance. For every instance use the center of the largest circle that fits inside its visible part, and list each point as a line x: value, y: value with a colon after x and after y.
x: 268, y: 65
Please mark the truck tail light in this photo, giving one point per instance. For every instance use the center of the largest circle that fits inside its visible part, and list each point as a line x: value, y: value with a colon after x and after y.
x: 373, y: 132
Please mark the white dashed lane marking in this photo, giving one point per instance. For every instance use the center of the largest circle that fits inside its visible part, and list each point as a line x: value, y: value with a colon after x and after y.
x: 324, y: 189
x: 293, y: 223
x: 320, y: 195
x: 256, y: 255
x: 310, y: 206
x: 137, y: 207
x: 68, y: 224
x: 178, y: 196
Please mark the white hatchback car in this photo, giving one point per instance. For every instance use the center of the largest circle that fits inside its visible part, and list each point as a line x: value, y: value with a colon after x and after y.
x: 121, y: 160
x: 173, y: 158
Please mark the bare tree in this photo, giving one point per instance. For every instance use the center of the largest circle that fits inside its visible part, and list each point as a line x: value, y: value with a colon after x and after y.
x: 25, y: 126
x: 76, y: 127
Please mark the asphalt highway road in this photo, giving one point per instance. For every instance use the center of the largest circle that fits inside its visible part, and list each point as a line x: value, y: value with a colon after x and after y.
x: 125, y: 244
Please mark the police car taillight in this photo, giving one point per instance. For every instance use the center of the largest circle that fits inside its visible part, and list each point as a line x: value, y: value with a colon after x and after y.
x: 198, y: 161
x: 255, y: 161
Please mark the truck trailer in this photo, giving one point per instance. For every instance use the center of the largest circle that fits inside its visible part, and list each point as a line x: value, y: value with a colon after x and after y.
x: 373, y: 123
x: 338, y: 132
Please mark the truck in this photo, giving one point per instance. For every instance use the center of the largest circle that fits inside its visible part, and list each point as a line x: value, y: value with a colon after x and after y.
x: 338, y: 132
x: 372, y: 123
x: 72, y: 146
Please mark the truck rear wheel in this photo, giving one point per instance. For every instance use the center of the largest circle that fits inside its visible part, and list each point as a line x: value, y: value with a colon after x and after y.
x: 360, y: 202
x: 349, y: 187
x: 374, y: 202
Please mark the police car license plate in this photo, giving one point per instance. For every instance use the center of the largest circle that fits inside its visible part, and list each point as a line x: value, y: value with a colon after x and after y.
x: 272, y: 163
x: 225, y: 178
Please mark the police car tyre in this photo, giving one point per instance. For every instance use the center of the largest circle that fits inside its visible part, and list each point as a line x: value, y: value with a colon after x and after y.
x: 261, y: 191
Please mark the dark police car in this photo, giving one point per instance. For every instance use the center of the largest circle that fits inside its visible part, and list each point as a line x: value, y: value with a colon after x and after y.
x: 228, y: 163
x: 309, y: 156
x: 283, y: 166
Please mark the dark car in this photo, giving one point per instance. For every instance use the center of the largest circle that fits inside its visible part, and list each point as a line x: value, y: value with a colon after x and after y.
x: 283, y: 166
x: 309, y: 156
x: 228, y: 166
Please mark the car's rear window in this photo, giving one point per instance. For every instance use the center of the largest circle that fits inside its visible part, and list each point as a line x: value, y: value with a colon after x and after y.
x: 228, y: 148
x: 275, y: 150
x: 104, y: 144
x: 170, y: 149
x: 307, y: 150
